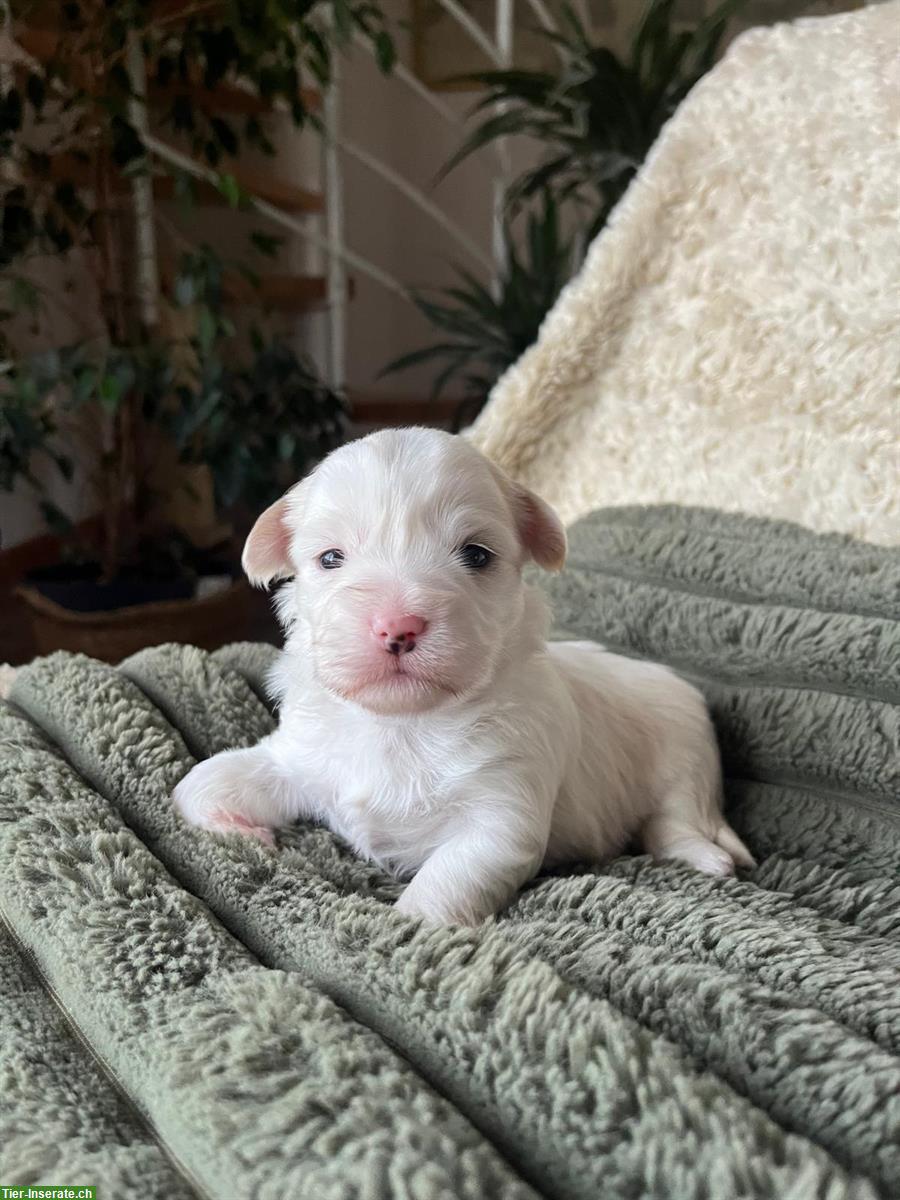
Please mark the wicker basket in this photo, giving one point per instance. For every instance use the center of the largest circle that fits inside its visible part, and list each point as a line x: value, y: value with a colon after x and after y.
x: 211, y: 621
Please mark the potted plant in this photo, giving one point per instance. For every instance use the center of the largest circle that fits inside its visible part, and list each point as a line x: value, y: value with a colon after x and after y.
x: 179, y: 418
x: 163, y: 400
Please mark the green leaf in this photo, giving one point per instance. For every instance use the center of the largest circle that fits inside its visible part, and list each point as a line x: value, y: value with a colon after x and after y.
x: 415, y: 357
x: 11, y: 111
x: 594, y: 118
x: 230, y: 189
x: 110, y: 392
x: 85, y: 384
x: 443, y: 378
x: 56, y: 519
x: 343, y: 20
x: 266, y: 243
x: 65, y: 465
x: 501, y: 125
x: 58, y: 234
x: 225, y: 134
x: 252, y: 277
x: 385, y: 51
x: 318, y: 54
x: 66, y: 197
x: 206, y: 329
x: 18, y: 228
x: 36, y: 90
x: 525, y: 85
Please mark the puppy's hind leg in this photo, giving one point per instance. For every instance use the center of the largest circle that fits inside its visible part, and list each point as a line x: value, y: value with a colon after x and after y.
x: 239, y: 791
x: 715, y: 852
x: 688, y: 823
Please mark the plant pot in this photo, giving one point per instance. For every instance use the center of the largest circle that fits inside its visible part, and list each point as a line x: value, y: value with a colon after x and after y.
x: 78, y: 588
x: 210, y: 621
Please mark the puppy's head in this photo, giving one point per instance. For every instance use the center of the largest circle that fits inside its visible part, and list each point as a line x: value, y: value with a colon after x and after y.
x: 406, y: 550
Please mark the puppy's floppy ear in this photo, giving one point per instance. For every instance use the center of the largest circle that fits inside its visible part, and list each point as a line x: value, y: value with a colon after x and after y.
x: 267, y: 550
x: 540, y: 529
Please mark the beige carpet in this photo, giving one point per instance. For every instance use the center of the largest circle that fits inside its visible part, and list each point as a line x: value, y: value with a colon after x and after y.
x: 732, y: 339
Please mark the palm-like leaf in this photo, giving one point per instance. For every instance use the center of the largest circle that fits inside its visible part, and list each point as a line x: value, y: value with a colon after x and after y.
x: 599, y: 114
x: 483, y: 333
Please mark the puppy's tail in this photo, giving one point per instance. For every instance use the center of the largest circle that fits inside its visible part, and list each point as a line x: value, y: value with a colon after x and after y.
x: 729, y: 841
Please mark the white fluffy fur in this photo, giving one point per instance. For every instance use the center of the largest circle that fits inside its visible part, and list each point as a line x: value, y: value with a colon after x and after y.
x: 732, y: 337
x: 484, y: 753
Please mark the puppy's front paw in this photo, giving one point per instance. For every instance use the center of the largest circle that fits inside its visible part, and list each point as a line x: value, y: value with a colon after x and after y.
x: 428, y: 912
x: 222, y: 820
x: 206, y: 797
x: 702, y: 854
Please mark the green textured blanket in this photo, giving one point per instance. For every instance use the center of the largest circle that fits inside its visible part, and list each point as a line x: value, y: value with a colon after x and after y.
x: 182, y: 1016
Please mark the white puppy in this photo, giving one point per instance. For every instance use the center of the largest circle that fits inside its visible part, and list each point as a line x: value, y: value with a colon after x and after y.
x: 424, y: 718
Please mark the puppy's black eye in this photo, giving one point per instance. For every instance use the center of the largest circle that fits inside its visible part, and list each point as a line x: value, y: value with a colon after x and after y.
x: 475, y: 557
x: 331, y: 559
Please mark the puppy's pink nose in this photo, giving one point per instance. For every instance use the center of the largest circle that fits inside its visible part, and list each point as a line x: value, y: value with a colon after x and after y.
x: 398, y: 633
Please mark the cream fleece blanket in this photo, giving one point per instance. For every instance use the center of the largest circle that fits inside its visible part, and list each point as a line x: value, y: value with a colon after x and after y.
x: 732, y: 339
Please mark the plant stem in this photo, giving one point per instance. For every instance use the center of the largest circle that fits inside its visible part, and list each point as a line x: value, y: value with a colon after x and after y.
x: 116, y: 465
